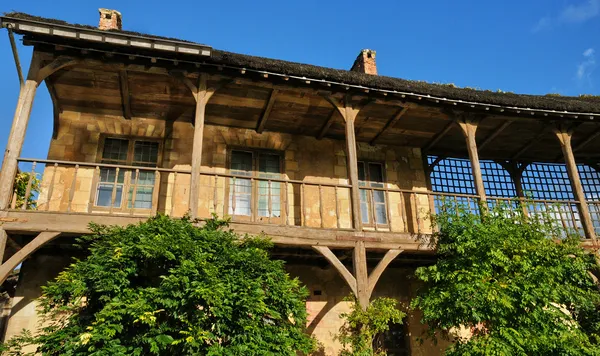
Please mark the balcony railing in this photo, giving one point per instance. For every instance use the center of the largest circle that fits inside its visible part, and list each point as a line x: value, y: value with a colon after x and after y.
x: 96, y: 188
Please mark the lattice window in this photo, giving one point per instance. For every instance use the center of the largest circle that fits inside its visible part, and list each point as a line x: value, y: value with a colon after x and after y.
x: 497, y: 181
x: 452, y: 175
x: 547, y: 182
x: 590, y: 180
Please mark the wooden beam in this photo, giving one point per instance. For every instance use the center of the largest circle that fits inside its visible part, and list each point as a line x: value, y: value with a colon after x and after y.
x: 339, y: 266
x: 57, y: 64
x: 56, y: 108
x: 390, y: 124
x: 529, y: 144
x: 262, y: 122
x: 438, y: 137
x: 564, y: 137
x: 493, y: 135
x: 3, y: 240
x: 327, y: 125
x: 587, y: 140
x: 469, y: 129
x: 17, y: 131
x: 125, y: 94
x: 7, y: 267
x: 361, y: 274
x: 381, y: 266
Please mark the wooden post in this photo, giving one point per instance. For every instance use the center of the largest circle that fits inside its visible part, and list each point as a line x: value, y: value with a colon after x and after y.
x: 3, y: 239
x: 202, y: 94
x: 17, y: 132
x: 469, y: 129
x: 564, y: 137
x: 361, y: 274
x: 35, y: 76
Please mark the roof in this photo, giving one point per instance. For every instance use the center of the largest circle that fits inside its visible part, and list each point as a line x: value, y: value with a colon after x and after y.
x: 581, y: 104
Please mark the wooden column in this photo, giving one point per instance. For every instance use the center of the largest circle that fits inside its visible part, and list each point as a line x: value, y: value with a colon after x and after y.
x: 3, y: 239
x: 469, y: 129
x: 202, y: 95
x: 349, y: 113
x: 352, y: 162
x: 360, y: 272
x: 17, y: 133
x: 564, y: 137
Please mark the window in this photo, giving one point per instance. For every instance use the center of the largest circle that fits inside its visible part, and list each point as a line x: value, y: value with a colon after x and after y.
x: 372, y: 202
x: 139, y: 188
x: 267, y: 195
x: 395, y: 341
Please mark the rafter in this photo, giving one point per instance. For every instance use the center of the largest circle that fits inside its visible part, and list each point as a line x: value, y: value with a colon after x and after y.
x: 125, y: 94
x: 530, y: 144
x: 262, y: 122
x: 486, y: 141
x: 390, y: 124
x: 43, y: 238
x: 327, y: 124
x: 587, y: 140
x: 438, y: 136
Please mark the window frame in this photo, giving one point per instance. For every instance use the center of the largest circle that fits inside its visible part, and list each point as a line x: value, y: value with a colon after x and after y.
x: 255, y: 174
x: 127, y: 180
x: 368, y: 185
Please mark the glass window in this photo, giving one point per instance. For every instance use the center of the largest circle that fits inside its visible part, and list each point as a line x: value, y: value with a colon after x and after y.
x: 140, y: 187
x: 372, y: 201
x: 264, y: 166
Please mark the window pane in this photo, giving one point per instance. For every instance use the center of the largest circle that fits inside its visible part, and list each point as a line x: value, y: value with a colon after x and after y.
x: 365, y: 213
x: 143, y: 197
x: 107, y: 175
x: 375, y: 172
x: 240, y: 193
x: 380, y: 214
x: 115, y: 149
x: 104, y: 196
x: 145, y: 153
x: 268, y: 166
x: 241, y: 163
x: 361, y: 173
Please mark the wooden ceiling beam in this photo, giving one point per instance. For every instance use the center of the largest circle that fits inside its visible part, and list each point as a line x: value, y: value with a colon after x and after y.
x: 438, y: 136
x: 262, y: 121
x: 530, y: 144
x: 493, y: 135
x: 389, y: 124
x: 587, y: 140
x: 327, y: 125
x: 125, y: 94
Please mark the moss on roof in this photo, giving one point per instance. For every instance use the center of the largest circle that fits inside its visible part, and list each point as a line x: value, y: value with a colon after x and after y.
x: 583, y: 104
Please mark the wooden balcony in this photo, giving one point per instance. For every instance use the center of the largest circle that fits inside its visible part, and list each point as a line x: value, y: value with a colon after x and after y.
x: 292, y: 212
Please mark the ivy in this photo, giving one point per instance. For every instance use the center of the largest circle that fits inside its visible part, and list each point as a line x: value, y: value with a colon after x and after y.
x: 166, y: 287
x: 362, y: 326
x: 20, y: 188
x: 517, y: 291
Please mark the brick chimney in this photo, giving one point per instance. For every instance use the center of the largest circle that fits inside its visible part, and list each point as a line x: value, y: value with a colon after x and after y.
x: 365, y: 62
x: 110, y: 20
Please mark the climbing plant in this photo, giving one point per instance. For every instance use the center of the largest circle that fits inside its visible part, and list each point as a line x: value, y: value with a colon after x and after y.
x: 167, y: 287
x: 362, y: 326
x: 514, y: 290
x: 20, y: 188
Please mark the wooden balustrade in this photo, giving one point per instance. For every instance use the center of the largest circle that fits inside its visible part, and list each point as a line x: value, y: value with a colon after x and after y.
x: 75, y: 188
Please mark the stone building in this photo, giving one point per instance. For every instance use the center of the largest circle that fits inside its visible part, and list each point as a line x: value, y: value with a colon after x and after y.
x: 340, y: 168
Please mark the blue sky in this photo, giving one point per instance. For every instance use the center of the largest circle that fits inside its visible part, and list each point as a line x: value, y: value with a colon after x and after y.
x: 534, y: 46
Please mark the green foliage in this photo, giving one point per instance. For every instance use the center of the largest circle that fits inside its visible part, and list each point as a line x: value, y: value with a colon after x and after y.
x: 362, y: 326
x: 20, y: 187
x: 519, y: 292
x: 166, y: 287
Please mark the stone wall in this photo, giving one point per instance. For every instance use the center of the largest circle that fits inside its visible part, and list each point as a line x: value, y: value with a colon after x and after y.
x: 307, y: 160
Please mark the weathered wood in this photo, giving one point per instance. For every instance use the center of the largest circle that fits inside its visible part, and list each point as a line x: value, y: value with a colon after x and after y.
x: 125, y: 94
x: 380, y: 268
x: 3, y: 240
x: 262, y: 122
x: 361, y: 274
x: 339, y: 266
x: 7, y: 267
x: 497, y: 131
x: 327, y: 125
x: 587, y: 140
x: 57, y: 64
x: 350, y: 116
x: 17, y: 132
x: 438, y: 137
x: 530, y: 144
x: 389, y: 124
x: 469, y: 129
x: 564, y: 137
